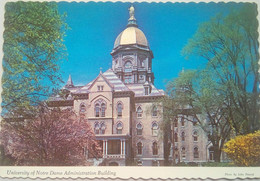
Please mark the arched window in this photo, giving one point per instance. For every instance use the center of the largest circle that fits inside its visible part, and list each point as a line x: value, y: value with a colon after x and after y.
x: 195, y: 136
x: 82, y: 108
x: 102, y: 128
x: 128, y: 66
x: 182, y: 136
x: 154, y: 111
x: 119, y: 109
x: 182, y: 121
x: 96, y: 128
x: 154, y: 129
x: 103, y: 110
x: 139, y: 129
x: 139, y: 148
x: 155, y: 148
x: 142, y: 63
x: 97, y: 109
x: 139, y: 112
x: 196, y: 152
x: 183, y: 152
x: 175, y: 137
x: 119, y: 128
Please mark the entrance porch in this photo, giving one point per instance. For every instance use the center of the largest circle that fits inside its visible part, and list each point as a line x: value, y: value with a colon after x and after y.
x: 114, y: 146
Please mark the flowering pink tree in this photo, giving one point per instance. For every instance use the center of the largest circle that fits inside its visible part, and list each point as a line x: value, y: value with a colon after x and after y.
x: 53, y: 137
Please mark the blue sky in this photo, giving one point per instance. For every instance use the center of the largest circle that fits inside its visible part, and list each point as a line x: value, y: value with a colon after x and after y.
x: 167, y: 26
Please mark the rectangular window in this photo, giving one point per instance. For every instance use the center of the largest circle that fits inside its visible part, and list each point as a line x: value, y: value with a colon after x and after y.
x: 96, y: 131
x: 195, y: 138
x: 155, y: 132
x: 100, y: 87
x: 196, y: 154
x: 139, y: 149
x: 128, y: 79
x: 139, y: 131
x: 97, y: 111
x: 119, y: 131
x: 103, y: 113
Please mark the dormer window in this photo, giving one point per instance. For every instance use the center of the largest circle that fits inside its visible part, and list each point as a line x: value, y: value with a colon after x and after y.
x: 147, y: 88
x: 146, y: 91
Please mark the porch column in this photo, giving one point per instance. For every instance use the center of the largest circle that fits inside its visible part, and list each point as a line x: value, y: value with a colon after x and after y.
x: 106, y: 147
x: 121, y: 147
x: 124, y: 147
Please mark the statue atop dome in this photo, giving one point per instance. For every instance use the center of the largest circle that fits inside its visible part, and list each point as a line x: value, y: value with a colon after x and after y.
x: 132, y: 12
x: 132, y: 20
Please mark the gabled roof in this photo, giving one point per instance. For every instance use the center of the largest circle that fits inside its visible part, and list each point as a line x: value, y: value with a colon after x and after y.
x: 110, y: 77
x: 115, y: 81
x: 138, y: 89
x: 116, y: 84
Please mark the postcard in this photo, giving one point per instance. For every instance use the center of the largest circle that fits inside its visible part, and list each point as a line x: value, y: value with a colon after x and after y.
x: 130, y: 90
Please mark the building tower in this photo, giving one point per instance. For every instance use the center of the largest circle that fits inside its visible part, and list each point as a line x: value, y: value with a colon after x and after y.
x: 132, y: 57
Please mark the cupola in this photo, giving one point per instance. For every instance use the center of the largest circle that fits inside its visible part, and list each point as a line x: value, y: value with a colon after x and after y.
x: 132, y: 57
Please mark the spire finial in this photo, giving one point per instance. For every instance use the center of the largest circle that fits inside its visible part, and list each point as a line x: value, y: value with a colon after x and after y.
x: 131, y: 12
x: 69, y: 82
x: 131, y: 20
x: 100, y: 70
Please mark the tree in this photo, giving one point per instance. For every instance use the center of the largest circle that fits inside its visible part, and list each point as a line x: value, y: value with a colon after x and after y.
x: 230, y: 45
x: 194, y: 94
x: 244, y: 150
x: 33, y: 47
x: 54, y: 137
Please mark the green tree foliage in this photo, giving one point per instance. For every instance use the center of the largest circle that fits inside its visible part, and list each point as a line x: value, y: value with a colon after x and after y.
x: 194, y: 94
x: 33, y: 47
x: 230, y: 47
x: 244, y: 150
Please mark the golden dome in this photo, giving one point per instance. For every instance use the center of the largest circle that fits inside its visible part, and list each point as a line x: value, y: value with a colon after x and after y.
x: 131, y: 35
